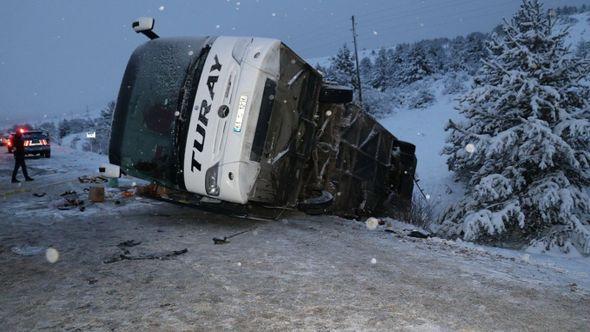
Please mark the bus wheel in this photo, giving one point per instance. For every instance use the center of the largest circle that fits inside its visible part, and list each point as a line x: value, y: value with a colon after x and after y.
x: 318, y: 204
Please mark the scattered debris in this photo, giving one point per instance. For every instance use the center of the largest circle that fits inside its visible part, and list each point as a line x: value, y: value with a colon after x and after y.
x: 160, y: 256
x: 39, y: 194
x: 70, y: 201
x: 573, y: 287
x: 26, y: 250
x: 225, y: 239
x: 92, y: 179
x: 91, y: 280
x: 128, y: 193
x: 96, y: 194
x: 220, y: 241
x: 126, y: 255
x: 113, y: 183
x: 418, y: 234
x: 128, y: 244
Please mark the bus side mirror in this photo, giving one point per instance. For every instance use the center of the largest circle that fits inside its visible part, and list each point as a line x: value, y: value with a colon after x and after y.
x: 145, y: 25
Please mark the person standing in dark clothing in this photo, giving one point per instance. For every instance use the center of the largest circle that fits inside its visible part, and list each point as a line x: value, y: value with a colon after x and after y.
x: 19, y: 157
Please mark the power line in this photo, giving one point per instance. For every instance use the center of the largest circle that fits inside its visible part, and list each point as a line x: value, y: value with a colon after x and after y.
x: 399, y: 15
x: 402, y: 24
x: 391, y: 28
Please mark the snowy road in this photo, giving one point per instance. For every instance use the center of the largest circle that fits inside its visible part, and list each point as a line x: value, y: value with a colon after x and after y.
x: 307, y: 273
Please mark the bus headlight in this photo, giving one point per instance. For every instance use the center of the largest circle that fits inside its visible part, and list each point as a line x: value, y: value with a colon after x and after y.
x: 211, y: 180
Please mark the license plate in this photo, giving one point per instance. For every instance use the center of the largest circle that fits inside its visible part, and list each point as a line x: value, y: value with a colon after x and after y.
x: 240, y: 116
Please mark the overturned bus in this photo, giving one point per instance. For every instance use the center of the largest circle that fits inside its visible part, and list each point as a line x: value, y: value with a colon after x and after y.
x: 245, y: 123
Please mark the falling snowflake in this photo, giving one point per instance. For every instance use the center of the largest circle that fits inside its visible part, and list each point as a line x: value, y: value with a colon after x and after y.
x: 161, y: 8
x: 372, y: 223
x: 52, y: 255
x: 427, y: 196
x: 470, y: 148
x: 191, y: 52
x: 239, y: 264
x: 421, y: 25
x: 373, y: 261
x: 217, y: 26
x: 375, y: 33
x: 274, y: 14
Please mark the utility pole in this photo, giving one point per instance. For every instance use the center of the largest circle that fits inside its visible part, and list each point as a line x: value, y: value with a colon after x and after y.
x: 356, y: 58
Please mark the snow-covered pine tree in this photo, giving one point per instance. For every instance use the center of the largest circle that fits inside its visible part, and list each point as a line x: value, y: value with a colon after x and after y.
x: 399, y: 58
x: 474, y: 51
x: 382, y: 75
x: 524, y: 146
x: 64, y: 128
x: 342, y: 68
x: 583, y: 49
x: 365, y: 68
x: 418, y: 66
x: 103, y: 128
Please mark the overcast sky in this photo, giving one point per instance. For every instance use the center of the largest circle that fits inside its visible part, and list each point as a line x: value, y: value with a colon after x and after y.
x: 58, y: 57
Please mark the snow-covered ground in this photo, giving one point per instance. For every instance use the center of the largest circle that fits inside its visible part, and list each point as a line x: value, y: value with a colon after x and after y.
x: 307, y: 273
x: 578, y: 28
x: 425, y: 129
x: 74, y: 141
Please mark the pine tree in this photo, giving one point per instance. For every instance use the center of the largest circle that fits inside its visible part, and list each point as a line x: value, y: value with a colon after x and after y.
x: 418, y: 66
x: 399, y: 58
x: 583, y: 49
x: 103, y: 128
x: 342, y: 68
x: 382, y: 74
x: 64, y: 128
x: 366, y: 69
x: 524, y: 148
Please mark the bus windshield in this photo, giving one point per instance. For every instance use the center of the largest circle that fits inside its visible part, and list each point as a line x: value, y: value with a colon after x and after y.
x: 149, y: 120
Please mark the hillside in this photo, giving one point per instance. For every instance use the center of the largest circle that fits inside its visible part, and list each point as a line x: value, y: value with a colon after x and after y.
x: 424, y: 126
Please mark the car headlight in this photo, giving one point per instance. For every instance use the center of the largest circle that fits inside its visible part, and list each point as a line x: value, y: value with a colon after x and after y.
x: 211, y: 180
